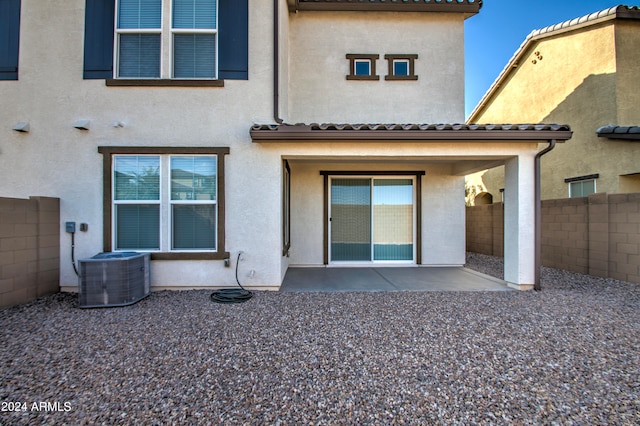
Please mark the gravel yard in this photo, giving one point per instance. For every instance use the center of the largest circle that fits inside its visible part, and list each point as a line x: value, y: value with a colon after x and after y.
x: 567, y: 355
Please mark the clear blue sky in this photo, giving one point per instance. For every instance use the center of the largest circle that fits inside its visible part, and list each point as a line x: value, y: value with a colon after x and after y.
x: 494, y: 35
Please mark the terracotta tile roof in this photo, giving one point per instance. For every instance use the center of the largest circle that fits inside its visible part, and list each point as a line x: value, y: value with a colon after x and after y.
x: 465, y: 6
x: 621, y: 11
x: 413, y: 132
x: 619, y: 132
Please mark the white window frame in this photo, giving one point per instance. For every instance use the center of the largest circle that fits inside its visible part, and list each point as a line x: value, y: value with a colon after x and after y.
x: 362, y: 61
x: 171, y: 202
x: 408, y: 59
x: 175, y: 31
x: 595, y: 188
x: 404, y: 61
x: 167, y: 33
x: 357, y: 58
x: 120, y: 31
x: 165, y: 203
x: 115, y: 203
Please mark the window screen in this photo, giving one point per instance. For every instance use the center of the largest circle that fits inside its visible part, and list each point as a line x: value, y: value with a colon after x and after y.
x: 193, y: 199
x: 194, y: 24
x: 137, y: 202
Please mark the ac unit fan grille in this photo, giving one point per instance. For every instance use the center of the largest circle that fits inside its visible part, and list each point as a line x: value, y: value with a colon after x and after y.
x: 107, y: 280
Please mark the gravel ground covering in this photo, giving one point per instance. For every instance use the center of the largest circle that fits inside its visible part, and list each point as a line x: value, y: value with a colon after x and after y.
x: 567, y: 355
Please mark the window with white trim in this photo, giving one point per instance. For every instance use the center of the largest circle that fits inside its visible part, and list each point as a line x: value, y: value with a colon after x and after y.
x: 150, y: 33
x: 165, y: 202
x: 193, y: 202
x: 582, y: 186
x: 362, y: 66
x: 401, y: 66
x: 136, y: 202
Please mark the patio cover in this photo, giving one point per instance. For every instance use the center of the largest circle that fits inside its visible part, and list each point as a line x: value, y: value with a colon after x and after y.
x: 522, y: 213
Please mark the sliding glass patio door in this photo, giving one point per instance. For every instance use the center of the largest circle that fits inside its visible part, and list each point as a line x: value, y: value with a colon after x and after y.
x: 371, y: 219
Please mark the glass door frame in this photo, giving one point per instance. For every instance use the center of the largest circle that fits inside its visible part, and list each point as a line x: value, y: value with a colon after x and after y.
x: 417, y: 214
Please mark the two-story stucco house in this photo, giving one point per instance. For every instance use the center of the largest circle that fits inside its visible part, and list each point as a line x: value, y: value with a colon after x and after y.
x: 162, y: 125
x: 583, y: 72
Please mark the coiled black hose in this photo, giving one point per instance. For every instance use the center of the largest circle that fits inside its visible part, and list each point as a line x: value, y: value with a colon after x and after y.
x: 232, y: 295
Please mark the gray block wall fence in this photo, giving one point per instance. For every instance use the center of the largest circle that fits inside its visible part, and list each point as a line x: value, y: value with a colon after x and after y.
x: 597, y: 235
x: 29, y: 249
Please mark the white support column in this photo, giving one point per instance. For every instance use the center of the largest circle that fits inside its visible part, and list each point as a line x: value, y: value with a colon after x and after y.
x: 519, y: 222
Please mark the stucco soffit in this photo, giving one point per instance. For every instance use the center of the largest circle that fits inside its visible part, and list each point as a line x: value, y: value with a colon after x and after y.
x: 409, y: 132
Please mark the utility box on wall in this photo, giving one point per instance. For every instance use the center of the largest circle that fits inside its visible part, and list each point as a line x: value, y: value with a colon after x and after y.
x: 113, y: 279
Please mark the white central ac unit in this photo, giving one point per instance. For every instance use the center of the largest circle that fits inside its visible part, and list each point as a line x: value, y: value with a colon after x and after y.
x: 113, y: 279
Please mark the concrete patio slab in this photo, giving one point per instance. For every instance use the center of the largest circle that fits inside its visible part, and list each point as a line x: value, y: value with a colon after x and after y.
x: 324, y: 279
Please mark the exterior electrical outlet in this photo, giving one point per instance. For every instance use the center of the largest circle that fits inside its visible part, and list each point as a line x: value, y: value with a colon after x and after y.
x: 70, y: 227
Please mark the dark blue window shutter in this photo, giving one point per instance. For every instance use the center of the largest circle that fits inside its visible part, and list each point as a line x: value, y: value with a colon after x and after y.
x: 233, y: 41
x: 9, y: 38
x: 98, y: 39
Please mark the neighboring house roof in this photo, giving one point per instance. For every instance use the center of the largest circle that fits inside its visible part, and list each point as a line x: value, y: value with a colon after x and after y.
x: 464, y: 6
x: 413, y: 132
x: 619, y: 132
x: 616, y: 12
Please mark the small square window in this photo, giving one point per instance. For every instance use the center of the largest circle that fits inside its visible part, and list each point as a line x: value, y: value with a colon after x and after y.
x: 582, y: 186
x: 362, y: 66
x: 401, y: 67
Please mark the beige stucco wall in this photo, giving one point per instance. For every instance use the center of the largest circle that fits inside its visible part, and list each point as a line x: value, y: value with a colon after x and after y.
x: 534, y: 90
x: 54, y: 159
x: 441, y: 194
x: 320, y: 92
x: 443, y: 217
x: 628, y: 64
x: 587, y: 79
x: 283, y: 64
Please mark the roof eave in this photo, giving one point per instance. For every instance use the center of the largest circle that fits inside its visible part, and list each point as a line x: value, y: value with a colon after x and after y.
x: 635, y: 138
x: 306, y: 133
x: 627, y: 133
x: 469, y: 8
x: 617, y: 12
